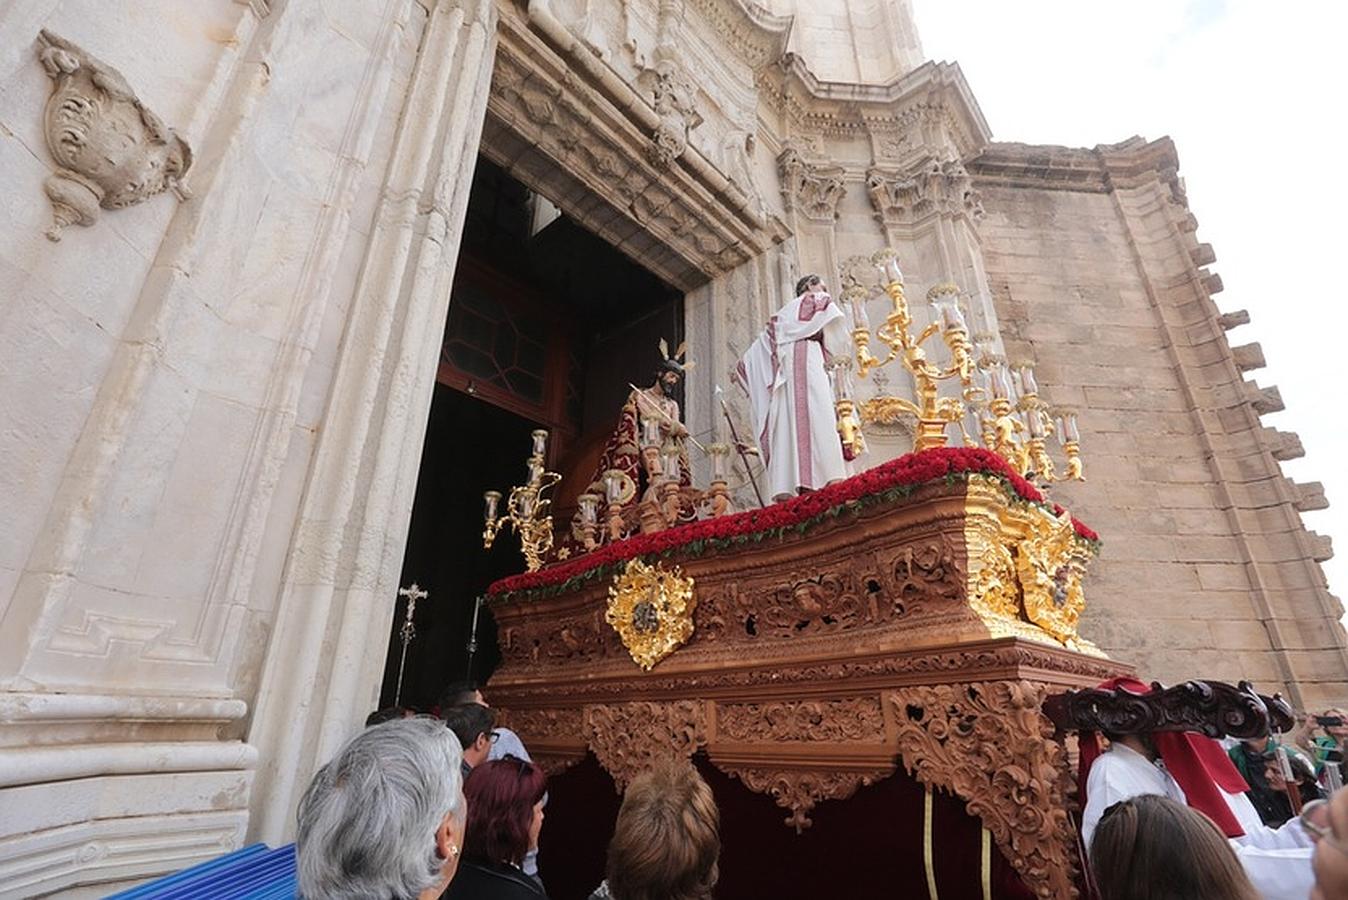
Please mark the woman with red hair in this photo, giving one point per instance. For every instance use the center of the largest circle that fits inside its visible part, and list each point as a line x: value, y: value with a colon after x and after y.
x: 505, y: 814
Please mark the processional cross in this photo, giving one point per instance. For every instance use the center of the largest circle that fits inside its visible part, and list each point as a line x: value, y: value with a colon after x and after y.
x: 407, y: 632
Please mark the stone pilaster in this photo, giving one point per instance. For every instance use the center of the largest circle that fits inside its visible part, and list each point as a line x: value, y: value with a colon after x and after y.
x: 328, y: 643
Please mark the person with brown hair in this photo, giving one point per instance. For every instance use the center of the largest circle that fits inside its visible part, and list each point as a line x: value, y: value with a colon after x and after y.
x: 1150, y: 846
x: 667, y: 838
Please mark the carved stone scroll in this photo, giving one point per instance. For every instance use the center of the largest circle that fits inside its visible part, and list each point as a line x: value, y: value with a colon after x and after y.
x: 989, y: 743
x: 112, y: 151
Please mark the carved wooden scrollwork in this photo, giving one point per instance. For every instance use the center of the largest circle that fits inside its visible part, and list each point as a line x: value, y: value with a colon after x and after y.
x: 112, y: 151
x: 799, y: 791
x: 1213, y: 708
x: 853, y: 719
x: 989, y: 743
x: 627, y: 738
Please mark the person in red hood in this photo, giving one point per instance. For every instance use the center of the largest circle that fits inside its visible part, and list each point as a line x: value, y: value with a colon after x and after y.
x: 1192, y: 769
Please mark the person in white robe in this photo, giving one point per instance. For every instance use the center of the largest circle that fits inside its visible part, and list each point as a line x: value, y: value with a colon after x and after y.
x: 785, y: 373
x: 1277, y: 861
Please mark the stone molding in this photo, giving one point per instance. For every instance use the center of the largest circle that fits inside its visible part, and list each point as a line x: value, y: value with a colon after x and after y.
x: 751, y: 32
x: 112, y: 151
x: 928, y: 111
x: 617, y: 156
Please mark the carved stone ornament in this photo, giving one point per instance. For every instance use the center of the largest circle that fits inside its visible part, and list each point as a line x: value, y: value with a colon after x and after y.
x: 812, y: 190
x: 651, y: 608
x: 672, y: 95
x: 937, y: 186
x: 112, y: 151
x: 988, y: 743
x: 629, y: 738
x: 1213, y: 708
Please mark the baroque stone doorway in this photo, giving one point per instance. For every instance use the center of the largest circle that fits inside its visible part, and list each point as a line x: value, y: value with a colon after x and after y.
x: 547, y: 325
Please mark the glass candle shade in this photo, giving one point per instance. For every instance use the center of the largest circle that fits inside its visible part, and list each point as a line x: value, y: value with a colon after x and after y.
x: 1028, y: 385
x: 491, y: 500
x: 888, y: 264
x: 720, y: 456
x: 856, y: 299
x: 540, y: 437
x: 999, y: 381
x: 534, y: 471
x: 670, y: 462
x: 613, y: 485
x: 945, y: 298
x: 1069, y: 427
x: 650, y: 432
x: 526, y: 505
x: 1034, y: 422
x: 589, y: 509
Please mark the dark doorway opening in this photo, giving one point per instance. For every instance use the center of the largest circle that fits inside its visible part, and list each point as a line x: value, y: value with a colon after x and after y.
x: 547, y: 325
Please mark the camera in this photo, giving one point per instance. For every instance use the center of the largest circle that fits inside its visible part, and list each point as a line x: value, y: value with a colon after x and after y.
x: 1329, y: 721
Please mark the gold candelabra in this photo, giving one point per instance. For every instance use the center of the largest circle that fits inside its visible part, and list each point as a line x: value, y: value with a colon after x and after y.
x: 1015, y: 422
x: 932, y: 411
x: 528, y: 510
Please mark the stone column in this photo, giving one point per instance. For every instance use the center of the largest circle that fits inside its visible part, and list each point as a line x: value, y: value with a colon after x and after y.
x: 328, y: 646
x: 722, y: 317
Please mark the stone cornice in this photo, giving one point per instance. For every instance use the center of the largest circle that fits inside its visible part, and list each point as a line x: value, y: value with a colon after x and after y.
x: 1088, y: 170
x: 758, y: 36
x: 933, y: 90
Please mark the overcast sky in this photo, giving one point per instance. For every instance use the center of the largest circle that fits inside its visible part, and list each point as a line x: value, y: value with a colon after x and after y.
x: 1253, y: 94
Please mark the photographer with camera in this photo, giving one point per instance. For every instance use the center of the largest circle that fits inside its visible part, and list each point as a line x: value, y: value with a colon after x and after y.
x: 1327, y: 748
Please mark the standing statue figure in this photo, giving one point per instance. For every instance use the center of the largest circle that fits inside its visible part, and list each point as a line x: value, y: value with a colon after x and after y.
x: 657, y: 406
x: 786, y: 377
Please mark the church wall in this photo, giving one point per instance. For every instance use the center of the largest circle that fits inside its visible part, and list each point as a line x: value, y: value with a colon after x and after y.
x: 1206, y: 568
x: 165, y: 371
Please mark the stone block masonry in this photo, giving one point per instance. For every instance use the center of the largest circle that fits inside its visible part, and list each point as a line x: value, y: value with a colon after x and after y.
x: 1207, y: 568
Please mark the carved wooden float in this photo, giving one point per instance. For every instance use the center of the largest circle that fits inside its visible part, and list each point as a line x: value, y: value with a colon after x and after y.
x: 916, y: 614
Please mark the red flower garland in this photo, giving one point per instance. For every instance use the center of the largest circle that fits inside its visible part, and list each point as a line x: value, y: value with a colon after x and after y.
x: 904, y: 472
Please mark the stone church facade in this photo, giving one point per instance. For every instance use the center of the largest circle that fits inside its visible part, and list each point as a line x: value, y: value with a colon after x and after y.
x: 229, y: 235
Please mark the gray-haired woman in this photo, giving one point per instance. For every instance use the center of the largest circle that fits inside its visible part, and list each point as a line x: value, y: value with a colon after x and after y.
x: 385, y: 817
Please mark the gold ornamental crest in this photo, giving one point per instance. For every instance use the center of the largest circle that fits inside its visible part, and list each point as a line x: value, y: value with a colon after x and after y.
x: 651, y: 608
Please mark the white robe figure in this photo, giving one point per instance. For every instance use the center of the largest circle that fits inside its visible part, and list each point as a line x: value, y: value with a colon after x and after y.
x: 790, y: 398
x: 1277, y: 861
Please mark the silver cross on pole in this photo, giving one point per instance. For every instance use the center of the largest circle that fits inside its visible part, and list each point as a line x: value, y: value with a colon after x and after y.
x: 407, y: 632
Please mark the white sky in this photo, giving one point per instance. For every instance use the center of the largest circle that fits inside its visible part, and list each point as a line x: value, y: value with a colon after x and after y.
x: 1253, y: 95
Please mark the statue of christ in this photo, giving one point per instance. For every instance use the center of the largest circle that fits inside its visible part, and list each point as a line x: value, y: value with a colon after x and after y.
x: 785, y: 375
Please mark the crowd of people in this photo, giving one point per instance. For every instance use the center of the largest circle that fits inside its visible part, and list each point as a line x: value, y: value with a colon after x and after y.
x: 451, y: 806
x: 420, y: 807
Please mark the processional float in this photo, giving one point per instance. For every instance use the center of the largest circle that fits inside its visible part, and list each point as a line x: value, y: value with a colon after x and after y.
x: 911, y: 618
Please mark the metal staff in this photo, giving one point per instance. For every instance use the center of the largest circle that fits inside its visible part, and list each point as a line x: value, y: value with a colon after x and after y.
x: 407, y: 632
x: 664, y: 415
x: 472, y: 637
x: 739, y: 445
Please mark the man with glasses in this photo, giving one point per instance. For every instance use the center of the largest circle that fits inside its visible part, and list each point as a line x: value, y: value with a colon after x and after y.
x: 472, y: 725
